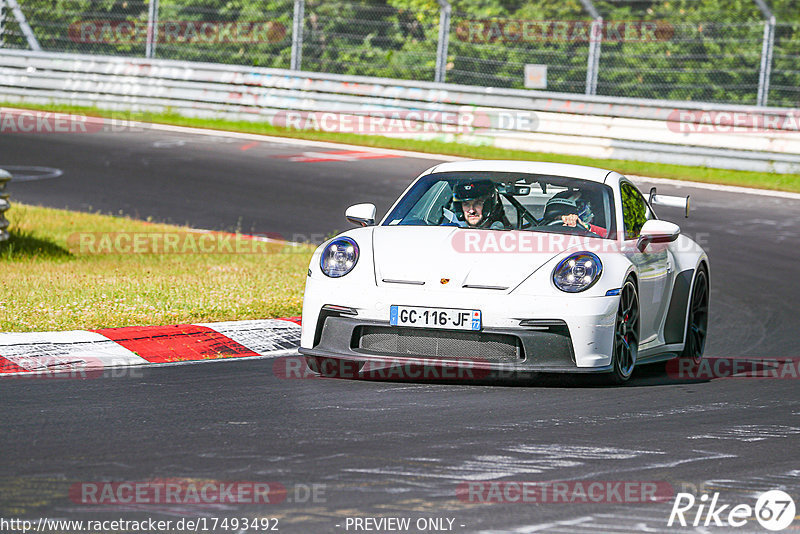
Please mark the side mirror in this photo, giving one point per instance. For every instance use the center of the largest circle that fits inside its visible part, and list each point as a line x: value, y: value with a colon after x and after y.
x: 656, y: 231
x: 361, y: 214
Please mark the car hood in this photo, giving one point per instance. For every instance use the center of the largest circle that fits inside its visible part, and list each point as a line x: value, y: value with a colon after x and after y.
x: 466, y: 258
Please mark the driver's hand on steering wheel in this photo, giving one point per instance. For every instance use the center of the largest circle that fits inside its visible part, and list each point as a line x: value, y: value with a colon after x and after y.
x: 570, y: 220
x: 573, y: 220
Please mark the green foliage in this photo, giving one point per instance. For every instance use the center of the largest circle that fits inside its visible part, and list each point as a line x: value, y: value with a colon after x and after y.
x: 634, y: 212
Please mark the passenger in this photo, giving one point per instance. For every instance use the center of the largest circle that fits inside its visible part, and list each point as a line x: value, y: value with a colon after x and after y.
x: 572, y: 210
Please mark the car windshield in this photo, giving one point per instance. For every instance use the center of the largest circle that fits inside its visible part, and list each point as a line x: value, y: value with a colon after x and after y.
x: 507, y: 201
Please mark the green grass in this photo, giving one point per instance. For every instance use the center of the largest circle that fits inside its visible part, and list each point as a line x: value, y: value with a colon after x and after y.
x: 51, y: 280
x: 782, y: 182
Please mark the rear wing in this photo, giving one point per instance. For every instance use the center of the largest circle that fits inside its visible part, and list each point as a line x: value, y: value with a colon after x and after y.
x: 668, y: 200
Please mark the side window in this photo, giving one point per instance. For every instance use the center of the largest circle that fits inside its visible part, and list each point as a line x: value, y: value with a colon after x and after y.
x: 635, y: 210
x: 429, y: 207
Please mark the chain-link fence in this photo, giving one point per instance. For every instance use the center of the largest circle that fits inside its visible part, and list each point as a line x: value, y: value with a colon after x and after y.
x: 494, y: 51
x: 785, y: 80
x: 194, y: 30
x: 250, y: 33
x: 738, y: 51
x: 371, y: 39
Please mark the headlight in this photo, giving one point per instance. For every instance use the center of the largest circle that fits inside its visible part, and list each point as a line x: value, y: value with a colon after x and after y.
x: 339, y: 257
x: 577, y: 272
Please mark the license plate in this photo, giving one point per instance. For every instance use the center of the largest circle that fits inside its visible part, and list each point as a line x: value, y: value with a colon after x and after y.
x: 444, y: 318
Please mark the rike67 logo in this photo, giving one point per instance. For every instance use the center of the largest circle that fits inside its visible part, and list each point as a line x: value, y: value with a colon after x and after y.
x: 774, y: 510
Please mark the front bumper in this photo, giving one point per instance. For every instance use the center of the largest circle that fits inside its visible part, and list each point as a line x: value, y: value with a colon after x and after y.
x: 589, y: 322
x: 543, y: 347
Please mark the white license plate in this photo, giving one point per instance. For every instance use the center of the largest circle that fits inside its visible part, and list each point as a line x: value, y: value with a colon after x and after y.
x: 444, y: 318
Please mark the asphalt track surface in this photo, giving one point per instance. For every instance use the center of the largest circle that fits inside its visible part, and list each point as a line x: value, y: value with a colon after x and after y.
x: 394, y: 449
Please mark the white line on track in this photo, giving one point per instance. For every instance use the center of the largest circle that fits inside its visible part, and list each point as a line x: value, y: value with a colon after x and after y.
x: 703, y: 456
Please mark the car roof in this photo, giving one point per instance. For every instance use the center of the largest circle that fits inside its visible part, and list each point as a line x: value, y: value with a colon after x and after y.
x: 531, y: 167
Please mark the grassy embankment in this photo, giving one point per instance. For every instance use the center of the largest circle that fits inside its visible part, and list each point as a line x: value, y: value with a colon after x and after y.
x: 64, y: 270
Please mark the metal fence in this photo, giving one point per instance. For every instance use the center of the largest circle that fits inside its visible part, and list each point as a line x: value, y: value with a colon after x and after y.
x: 745, y: 53
x: 763, y: 139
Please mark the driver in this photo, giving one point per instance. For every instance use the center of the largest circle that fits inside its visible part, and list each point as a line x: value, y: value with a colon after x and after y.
x: 573, y: 210
x: 478, y: 204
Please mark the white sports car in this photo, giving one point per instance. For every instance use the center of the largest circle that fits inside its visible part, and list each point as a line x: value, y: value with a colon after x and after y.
x: 509, y: 265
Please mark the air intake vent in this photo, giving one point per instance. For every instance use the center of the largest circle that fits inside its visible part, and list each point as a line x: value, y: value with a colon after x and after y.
x: 449, y: 345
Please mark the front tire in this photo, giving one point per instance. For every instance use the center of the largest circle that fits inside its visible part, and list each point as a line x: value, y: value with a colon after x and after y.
x: 626, y: 334
x: 697, y: 322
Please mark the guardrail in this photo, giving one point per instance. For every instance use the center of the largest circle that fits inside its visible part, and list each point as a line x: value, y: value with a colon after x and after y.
x: 688, y: 133
x: 5, y: 177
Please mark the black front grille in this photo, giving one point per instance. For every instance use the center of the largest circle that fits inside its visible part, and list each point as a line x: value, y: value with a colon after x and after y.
x: 444, y: 344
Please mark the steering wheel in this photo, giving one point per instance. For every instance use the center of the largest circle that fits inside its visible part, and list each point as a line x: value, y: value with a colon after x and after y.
x: 559, y: 223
